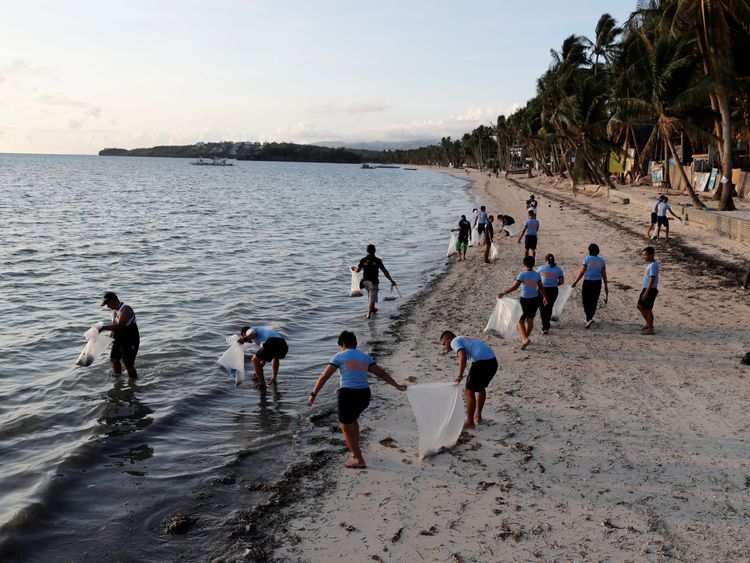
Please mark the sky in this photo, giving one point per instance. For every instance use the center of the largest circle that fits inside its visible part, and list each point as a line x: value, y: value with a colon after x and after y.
x: 79, y: 76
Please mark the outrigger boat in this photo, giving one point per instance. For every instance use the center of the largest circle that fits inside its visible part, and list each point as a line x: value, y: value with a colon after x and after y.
x: 212, y: 162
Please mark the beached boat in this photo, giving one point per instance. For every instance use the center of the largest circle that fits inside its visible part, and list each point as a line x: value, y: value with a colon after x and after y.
x: 212, y: 162
x: 386, y: 166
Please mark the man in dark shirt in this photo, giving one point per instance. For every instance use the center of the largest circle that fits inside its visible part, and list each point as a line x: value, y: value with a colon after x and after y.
x: 464, y: 230
x: 370, y: 266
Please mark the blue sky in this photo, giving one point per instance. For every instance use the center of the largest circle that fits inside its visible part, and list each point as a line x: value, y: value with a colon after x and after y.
x: 78, y: 76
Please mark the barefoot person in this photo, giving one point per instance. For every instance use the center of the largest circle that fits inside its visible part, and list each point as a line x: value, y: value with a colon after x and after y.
x: 650, y: 289
x: 371, y: 266
x: 530, y: 229
x: 483, y: 369
x: 488, y: 236
x: 354, y: 390
x: 462, y: 243
x: 481, y: 219
x: 124, y: 329
x: 531, y: 286
x: 273, y: 348
x: 593, y: 271
x: 654, y: 216
x: 661, y: 217
x: 552, y: 278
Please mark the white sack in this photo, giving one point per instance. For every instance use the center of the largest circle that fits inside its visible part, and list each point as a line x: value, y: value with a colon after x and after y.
x: 494, y: 252
x: 96, y: 343
x: 452, y: 246
x: 504, y: 318
x: 233, y: 360
x: 562, y: 297
x: 512, y: 230
x: 476, y: 239
x: 439, y: 411
x: 355, y: 291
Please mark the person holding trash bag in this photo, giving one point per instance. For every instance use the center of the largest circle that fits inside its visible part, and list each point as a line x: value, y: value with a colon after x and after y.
x: 593, y: 271
x: 354, y: 390
x: 661, y: 216
x: 531, y: 286
x: 530, y: 228
x: 125, y: 333
x: 481, y: 219
x: 371, y: 265
x: 650, y: 289
x: 464, y: 231
x: 488, y: 236
x: 552, y: 277
x: 273, y: 348
x: 483, y: 368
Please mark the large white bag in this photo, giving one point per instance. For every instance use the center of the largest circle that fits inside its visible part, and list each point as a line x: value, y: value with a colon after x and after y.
x: 563, y: 293
x: 233, y: 360
x: 96, y: 343
x: 494, y: 252
x: 439, y: 411
x: 355, y: 291
x: 512, y: 230
x: 452, y: 246
x: 476, y: 239
x: 504, y: 318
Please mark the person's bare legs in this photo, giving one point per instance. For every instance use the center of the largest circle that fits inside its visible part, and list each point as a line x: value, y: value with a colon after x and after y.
x: 116, y: 366
x: 658, y: 231
x: 258, y: 365
x: 481, y: 397
x: 666, y: 231
x: 471, y: 405
x: 132, y: 373
x: 274, y: 370
x: 524, y: 334
x: 351, y: 437
x: 649, y: 318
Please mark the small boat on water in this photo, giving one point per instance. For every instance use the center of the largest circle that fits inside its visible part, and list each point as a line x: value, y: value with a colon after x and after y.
x: 386, y: 166
x: 410, y: 168
x: 367, y: 166
x: 212, y: 162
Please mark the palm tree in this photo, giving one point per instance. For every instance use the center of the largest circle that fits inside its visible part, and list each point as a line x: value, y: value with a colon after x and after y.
x: 605, y: 43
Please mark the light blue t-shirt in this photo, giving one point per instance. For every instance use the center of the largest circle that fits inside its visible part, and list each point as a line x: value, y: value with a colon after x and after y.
x: 661, y: 208
x: 353, y: 366
x: 652, y: 271
x: 529, y: 283
x: 550, y: 275
x: 476, y: 350
x: 594, y: 266
x: 263, y: 334
x: 532, y: 226
x: 482, y: 217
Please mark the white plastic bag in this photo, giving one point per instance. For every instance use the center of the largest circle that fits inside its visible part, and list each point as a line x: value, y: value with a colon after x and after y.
x: 439, y: 411
x: 355, y: 291
x: 96, y: 343
x: 476, y: 239
x: 233, y: 360
x: 504, y: 318
x: 494, y: 252
x: 452, y: 246
x: 563, y: 294
x: 512, y: 230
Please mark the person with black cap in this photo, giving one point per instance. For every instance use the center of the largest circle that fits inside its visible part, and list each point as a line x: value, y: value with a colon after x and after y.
x: 125, y: 333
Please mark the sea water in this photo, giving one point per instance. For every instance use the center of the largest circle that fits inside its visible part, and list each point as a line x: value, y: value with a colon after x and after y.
x: 92, y: 464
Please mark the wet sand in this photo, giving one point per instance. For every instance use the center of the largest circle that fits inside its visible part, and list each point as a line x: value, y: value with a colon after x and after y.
x: 596, y: 444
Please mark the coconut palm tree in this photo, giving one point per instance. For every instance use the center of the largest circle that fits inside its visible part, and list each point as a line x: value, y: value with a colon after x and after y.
x: 605, y: 43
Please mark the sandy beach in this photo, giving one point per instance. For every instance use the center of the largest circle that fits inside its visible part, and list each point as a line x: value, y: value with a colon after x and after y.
x: 598, y: 444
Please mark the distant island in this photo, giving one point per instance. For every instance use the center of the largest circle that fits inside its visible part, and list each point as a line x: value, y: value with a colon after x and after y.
x: 280, y: 152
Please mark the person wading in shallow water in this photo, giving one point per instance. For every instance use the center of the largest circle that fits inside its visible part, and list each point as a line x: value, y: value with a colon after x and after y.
x: 354, y: 390
x: 273, y: 348
x: 371, y: 266
x: 125, y: 333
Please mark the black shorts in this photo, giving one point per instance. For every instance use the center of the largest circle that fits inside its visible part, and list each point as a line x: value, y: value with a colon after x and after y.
x: 351, y: 403
x: 530, y: 242
x: 647, y: 301
x: 481, y: 373
x: 125, y: 350
x: 529, y: 306
x: 653, y: 218
x: 663, y: 221
x: 480, y: 228
x: 274, y: 347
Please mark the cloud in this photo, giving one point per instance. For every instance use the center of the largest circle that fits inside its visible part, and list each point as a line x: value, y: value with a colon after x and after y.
x: 19, y: 69
x: 365, y: 106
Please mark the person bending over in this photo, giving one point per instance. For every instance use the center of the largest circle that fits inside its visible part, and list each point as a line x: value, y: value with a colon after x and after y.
x: 273, y: 348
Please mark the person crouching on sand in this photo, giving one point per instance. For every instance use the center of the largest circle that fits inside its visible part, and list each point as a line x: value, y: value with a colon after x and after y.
x: 354, y: 390
x: 531, y: 286
x: 483, y: 369
x: 272, y: 349
x: 649, y: 291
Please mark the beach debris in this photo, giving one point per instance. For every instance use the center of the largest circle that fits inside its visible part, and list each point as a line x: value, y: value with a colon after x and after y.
x: 410, y: 379
x: 746, y: 359
x: 355, y: 290
x: 96, y: 343
x: 438, y: 408
x: 376, y: 558
x: 484, y: 485
x: 524, y: 449
x: 397, y: 535
x: 348, y: 527
x: 457, y: 558
x: 178, y: 523
x: 464, y: 438
x: 388, y: 442
x: 431, y: 531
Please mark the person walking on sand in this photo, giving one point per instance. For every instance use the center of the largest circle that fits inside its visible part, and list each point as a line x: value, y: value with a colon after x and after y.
x: 481, y: 219
x: 462, y: 243
x: 273, y: 348
x: 661, y: 217
x: 650, y: 289
x: 371, y: 266
x: 531, y: 286
x: 483, y: 369
x: 354, y: 390
x: 552, y: 277
x: 654, y: 216
x: 530, y: 229
x: 125, y: 333
x: 593, y: 271
x: 489, y: 236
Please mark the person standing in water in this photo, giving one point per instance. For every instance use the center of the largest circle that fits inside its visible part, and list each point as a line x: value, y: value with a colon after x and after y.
x: 124, y: 329
x: 273, y: 348
x: 354, y: 390
x: 552, y: 278
x: 530, y: 228
x: 649, y: 289
x: 593, y: 271
x: 531, y: 286
x: 371, y: 266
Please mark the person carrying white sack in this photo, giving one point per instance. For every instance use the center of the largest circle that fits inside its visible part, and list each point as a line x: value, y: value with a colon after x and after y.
x: 125, y: 333
x: 272, y: 349
x: 483, y: 369
x: 552, y: 278
x: 531, y: 286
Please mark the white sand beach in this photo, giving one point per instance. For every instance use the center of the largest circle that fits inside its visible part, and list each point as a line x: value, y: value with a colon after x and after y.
x: 597, y: 444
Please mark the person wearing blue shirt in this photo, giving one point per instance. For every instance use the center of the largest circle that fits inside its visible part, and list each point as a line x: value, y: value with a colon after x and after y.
x: 531, y: 286
x: 594, y: 272
x: 661, y: 216
x: 552, y: 277
x: 530, y: 229
x: 273, y: 348
x: 354, y: 390
x: 483, y: 369
x: 650, y: 289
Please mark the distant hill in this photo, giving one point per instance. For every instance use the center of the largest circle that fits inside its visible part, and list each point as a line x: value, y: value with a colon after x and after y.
x: 380, y: 145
